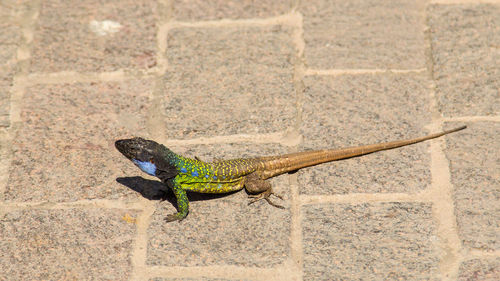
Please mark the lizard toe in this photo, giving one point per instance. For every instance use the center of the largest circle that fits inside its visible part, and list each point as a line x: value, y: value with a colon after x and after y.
x: 265, y: 195
x: 174, y: 217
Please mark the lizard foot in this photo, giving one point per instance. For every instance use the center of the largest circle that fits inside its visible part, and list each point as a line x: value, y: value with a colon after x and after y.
x: 174, y: 217
x: 265, y: 195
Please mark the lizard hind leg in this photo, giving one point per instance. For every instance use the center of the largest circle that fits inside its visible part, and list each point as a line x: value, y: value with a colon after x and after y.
x: 260, y: 189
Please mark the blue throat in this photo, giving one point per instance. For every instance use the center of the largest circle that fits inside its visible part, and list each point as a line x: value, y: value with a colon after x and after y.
x: 147, y: 167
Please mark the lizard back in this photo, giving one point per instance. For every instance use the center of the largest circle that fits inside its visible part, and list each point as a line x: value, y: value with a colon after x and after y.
x: 215, y: 177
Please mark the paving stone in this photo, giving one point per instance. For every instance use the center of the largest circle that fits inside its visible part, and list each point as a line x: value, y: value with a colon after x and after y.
x: 64, y: 149
x: 356, y: 110
x: 228, y: 81
x: 66, y: 244
x: 195, y: 10
x: 223, y: 229
x: 10, y: 38
x: 466, y: 57
x: 6, y: 82
x: 216, y: 152
x: 7, y: 72
x: 196, y: 279
x: 475, y: 175
x: 480, y: 270
x: 11, y: 10
x: 383, y: 241
x: 364, y: 34
x: 92, y: 35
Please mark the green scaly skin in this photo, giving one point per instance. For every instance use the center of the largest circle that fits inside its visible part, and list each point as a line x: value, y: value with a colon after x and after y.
x: 197, y: 176
x: 183, y: 174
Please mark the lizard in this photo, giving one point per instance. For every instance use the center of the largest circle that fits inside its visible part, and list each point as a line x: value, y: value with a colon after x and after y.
x: 182, y: 174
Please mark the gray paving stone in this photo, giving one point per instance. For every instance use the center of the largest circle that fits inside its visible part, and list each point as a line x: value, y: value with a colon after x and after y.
x: 66, y: 244
x: 224, y: 229
x: 229, y: 80
x: 384, y: 241
x: 64, y: 148
x: 195, y: 10
x: 475, y: 175
x: 365, y: 109
x: 65, y: 41
x: 364, y: 34
x: 465, y: 40
x: 480, y: 269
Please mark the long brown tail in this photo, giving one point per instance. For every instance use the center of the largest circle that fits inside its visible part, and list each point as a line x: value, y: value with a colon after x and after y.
x: 290, y: 162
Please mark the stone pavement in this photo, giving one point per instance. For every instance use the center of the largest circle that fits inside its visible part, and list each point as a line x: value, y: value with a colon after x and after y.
x: 221, y: 79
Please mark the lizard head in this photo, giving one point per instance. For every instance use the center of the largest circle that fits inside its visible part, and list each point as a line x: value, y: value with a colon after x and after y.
x: 150, y: 156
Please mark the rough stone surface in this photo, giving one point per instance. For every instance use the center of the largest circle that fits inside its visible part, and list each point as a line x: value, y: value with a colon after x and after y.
x: 466, y: 58
x: 475, y: 175
x: 244, y: 73
x: 211, y: 153
x: 94, y: 36
x: 64, y: 149
x: 395, y: 239
x: 197, y: 279
x: 366, y: 109
x: 480, y: 269
x: 193, y: 10
x: 363, y: 34
x: 65, y: 244
x: 10, y: 38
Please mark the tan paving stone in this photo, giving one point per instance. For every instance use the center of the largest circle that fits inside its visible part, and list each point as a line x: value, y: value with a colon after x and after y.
x: 364, y: 34
x: 466, y: 58
x: 354, y: 110
x: 10, y: 39
x: 196, y: 10
x: 89, y: 36
x: 67, y: 244
x: 64, y: 148
x: 244, y: 73
x: 475, y: 175
x: 480, y: 269
x: 383, y: 241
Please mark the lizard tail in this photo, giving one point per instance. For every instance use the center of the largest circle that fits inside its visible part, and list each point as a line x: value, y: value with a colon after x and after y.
x: 291, y: 162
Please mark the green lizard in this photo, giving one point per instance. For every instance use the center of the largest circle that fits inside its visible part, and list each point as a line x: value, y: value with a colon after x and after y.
x: 183, y: 174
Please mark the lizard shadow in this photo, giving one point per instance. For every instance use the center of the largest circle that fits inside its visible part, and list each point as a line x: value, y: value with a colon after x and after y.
x: 156, y: 190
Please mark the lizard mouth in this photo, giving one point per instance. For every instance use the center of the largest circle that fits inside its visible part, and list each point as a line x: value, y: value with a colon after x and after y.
x: 136, y: 148
x: 125, y: 148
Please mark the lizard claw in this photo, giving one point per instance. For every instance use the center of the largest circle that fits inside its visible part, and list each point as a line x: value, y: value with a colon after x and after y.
x: 265, y: 195
x: 173, y: 217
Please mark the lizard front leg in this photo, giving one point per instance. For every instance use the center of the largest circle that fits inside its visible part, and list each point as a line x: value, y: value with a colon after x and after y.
x: 260, y: 189
x: 182, y: 204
